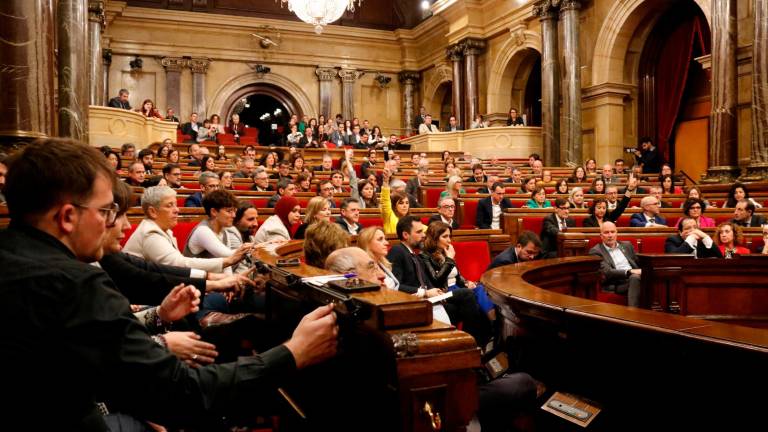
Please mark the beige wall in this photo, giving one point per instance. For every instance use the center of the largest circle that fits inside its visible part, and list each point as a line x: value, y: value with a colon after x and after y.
x: 613, y: 33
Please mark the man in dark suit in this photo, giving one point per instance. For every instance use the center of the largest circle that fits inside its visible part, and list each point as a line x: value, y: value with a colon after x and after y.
x: 553, y: 224
x: 121, y: 101
x: 649, y: 157
x: 446, y: 209
x: 692, y: 240
x: 478, y: 174
x: 744, y: 215
x: 191, y: 127
x: 171, y: 116
x: 619, y: 268
x: 453, y: 125
x: 413, y: 186
x: 491, y: 209
x: 488, y: 184
x: 650, y: 216
x: 528, y: 248
x: 350, y: 216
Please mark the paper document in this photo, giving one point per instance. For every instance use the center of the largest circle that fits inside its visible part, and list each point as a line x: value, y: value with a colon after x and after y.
x: 322, y: 280
x: 441, y: 297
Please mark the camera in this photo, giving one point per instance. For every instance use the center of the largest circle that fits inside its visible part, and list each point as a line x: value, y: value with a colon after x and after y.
x: 629, y: 149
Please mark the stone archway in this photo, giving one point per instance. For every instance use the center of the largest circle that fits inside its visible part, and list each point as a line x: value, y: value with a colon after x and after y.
x: 277, y: 86
x: 432, y: 94
x: 511, y: 69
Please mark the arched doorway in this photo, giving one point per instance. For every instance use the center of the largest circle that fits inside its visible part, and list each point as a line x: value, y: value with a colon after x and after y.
x: 531, y: 106
x: 674, y: 90
x: 263, y: 106
x: 443, y: 96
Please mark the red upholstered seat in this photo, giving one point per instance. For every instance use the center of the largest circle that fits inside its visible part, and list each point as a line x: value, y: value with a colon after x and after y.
x: 226, y: 139
x: 533, y: 223
x: 303, y: 201
x: 623, y: 220
x: 433, y: 195
x: 549, y: 190
x: 190, y: 185
x: 609, y: 297
x: 181, y: 232
x: 247, y: 140
x: 180, y: 201
x: 470, y: 214
x: 250, y: 132
x: 241, y: 186
x: 128, y: 234
x: 371, y: 221
x: 721, y: 219
x: 260, y: 203
x: 472, y: 258
x: 579, y: 219
x: 425, y: 220
x: 470, y: 190
x: 653, y: 244
x: 757, y: 244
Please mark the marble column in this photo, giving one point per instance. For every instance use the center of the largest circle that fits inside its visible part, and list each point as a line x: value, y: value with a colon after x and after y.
x: 72, y: 34
x: 758, y: 167
x: 325, y: 77
x: 456, y: 55
x: 409, y: 80
x: 348, y: 78
x: 199, y: 68
x: 106, y: 58
x: 550, y: 82
x: 96, y: 22
x: 471, y: 49
x: 173, y: 67
x: 723, y: 139
x: 26, y: 62
x: 569, y: 15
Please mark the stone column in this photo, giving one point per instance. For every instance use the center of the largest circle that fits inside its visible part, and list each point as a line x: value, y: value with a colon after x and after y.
x: 409, y: 80
x: 723, y: 145
x: 325, y: 76
x: 106, y: 58
x: 471, y: 49
x: 758, y: 168
x: 72, y: 33
x: 550, y: 82
x: 96, y: 22
x: 456, y: 55
x: 199, y: 68
x: 173, y: 67
x: 26, y: 62
x: 348, y: 78
x: 569, y: 14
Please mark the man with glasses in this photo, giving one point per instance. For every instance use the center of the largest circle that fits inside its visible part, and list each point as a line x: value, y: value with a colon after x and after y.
x: 446, y: 209
x: 490, y: 209
x: 172, y: 175
x: 247, y: 168
x: 650, y: 216
x: 619, y: 267
x: 325, y: 190
x: 209, y: 182
x: 611, y: 196
x: 137, y: 176
x: 261, y: 181
x: 556, y: 222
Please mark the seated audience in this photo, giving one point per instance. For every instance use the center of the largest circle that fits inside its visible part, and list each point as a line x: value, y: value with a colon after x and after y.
x: 691, y: 240
x: 207, y: 132
x: 246, y: 221
x: 590, y: 166
x: 446, y: 209
x: 318, y: 210
x: 127, y: 151
x: 478, y: 174
x: 350, y: 216
x: 538, y: 199
x: 739, y: 192
x: 695, y: 192
x: 137, y: 176
x: 209, y: 182
x: 280, y: 227
x: 325, y: 190
x: 729, y: 239
x: 514, y: 119
x: 453, y: 125
x: 490, y: 209
x: 191, y: 127
x: 527, y: 248
x: 600, y: 210
x: 618, y: 167
x: 247, y: 168
x: 619, y: 266
x: 226, y: 180
x: 607, y: 175
x: 261, y: 181
x: 321, y: 239
x: 515, y: 176
x: 195, y: 153
x: 414, y: 185
x: 527, y: 186
x: 656, y: 192
x: 172, y: 175
x: 694, y: 209
x: 650, y: 216
x: 668, y: 186
x: 744, y: 215
x: 488, y: 184
x: 598, y: 186
x: 478, y: 122
x: 148, y: 109
x: 562, y: 187
x: 765, y: 240
x: 553, y: 224
x: 576, y: 198
x: 285, y: 187
x: 427, y: 127
x: 120, y: 101
x: 393, y: 206
x: 579, y: 175
x: 147, y: 157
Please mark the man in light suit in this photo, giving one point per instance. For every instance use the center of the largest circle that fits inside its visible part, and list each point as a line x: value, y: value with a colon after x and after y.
x: 650, y: 216
x: 427, y: 127
x: 620, y: 272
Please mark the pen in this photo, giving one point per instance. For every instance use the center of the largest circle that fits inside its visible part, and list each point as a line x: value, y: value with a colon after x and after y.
x: 350, y: 275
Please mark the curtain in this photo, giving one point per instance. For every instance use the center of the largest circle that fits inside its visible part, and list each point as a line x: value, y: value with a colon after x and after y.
x: 672, y: 74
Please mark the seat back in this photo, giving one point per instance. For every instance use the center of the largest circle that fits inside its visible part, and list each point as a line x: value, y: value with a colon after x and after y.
x: 181, y: 232
x: 472, y: 258
x: 128, y: 234
x: 469, y: 215
x: 652, y: 244
x: 533, y: 223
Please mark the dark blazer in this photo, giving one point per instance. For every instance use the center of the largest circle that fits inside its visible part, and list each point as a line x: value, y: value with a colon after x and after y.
x: 638, y: 220
x: 676, y: 244
x: 145, y: 282
x: 516, y: 122
x: 549, y: 230
x: 436, y: 218
x: 412, y: 187
x: 194, y: 200
x: 509, y: 256
x: 404, y: 268
x: 611, y: 215
x: 172, y: 119
x: 343, y: 224
x: 651, y: 161
x: 612, y: 276
x: 448, y: 128
x: 756, y: 221
x: 115, y: 102
x: 186, y: 129
x: 437, y: 272
x: 485, y: 212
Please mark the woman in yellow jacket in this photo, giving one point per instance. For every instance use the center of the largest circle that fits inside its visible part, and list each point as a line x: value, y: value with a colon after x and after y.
x: 393, y: 205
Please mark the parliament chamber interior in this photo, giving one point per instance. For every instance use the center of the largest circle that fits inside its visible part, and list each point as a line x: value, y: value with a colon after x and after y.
x: 384, y: 215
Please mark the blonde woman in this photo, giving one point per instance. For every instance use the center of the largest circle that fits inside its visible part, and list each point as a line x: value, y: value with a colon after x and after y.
x: 373, y: 241
x: 318, y: 209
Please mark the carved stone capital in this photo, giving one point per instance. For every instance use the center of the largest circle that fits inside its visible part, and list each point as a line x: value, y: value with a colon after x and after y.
x: 409, y: 77
x: 199, y: 65
x: 173, y: 64
x: 472, y: 47
x: 566, y: 5
x: 350, y: 75
x: 106, y: 56
x: 325, y: 74
x: 96, y: 12
x: 455, y: 53
x: 546, y: 9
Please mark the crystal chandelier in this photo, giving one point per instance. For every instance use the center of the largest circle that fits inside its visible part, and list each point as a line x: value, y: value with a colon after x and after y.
x: 320, y: 12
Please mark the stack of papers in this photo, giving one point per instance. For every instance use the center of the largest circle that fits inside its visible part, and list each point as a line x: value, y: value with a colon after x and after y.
x: 322, y: 280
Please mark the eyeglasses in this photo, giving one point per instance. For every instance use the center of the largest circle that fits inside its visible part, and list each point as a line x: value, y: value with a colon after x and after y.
x: 109, y: 213
x: 449, y: 206
x: 212, y: 186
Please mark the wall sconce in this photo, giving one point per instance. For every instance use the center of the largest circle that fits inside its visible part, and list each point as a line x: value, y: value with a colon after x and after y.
x: 383, y: 80
x: 136, y: 63
x: 260, y: 70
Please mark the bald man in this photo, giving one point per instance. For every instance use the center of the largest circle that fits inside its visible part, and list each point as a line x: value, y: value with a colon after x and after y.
x: 619, y: 268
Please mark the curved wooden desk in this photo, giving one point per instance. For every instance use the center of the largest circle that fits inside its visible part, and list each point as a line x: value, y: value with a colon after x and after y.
x: 643, y: 367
